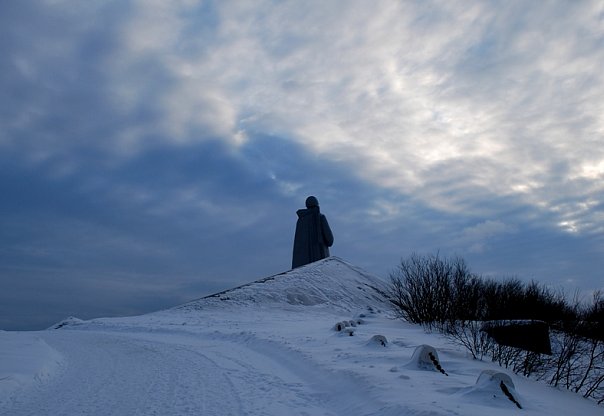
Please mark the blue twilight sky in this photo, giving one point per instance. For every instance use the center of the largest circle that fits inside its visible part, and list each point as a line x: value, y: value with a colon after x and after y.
x: 152, y: 152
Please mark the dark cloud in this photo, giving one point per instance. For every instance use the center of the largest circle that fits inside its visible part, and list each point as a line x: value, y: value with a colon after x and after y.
x: 154, y: 153
x: 142, y: 234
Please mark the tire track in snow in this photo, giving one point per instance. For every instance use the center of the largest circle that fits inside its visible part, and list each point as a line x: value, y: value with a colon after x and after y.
x: 177, y: 373
x: 276, y: 379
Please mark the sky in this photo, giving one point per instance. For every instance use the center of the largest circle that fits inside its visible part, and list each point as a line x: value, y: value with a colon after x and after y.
x: 154, y: 152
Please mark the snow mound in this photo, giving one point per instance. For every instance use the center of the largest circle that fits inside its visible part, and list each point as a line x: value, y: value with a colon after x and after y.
x: 378, y: 341
x: 496, y: 387
x: 425, y: 357
x: 330, y: 283
x: 24, y: 359
x: 489, y: 378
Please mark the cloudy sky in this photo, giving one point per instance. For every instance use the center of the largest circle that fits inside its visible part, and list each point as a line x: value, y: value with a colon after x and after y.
x: 153, y: 152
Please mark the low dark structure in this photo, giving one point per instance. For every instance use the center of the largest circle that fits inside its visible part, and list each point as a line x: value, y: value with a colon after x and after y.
x: 528, y: 335
x: 313, y: 235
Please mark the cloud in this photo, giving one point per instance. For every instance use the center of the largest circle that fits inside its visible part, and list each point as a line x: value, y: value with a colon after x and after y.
x: 420, y: 126
x: 414, y: 98
x: 507, y: 96
x: 414, y: 92
x: 476, y: 237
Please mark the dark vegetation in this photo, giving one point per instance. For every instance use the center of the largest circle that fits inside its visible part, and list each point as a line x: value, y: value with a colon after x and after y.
x: 442, y: 294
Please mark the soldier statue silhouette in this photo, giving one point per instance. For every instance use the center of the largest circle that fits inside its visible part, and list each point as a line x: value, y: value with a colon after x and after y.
x: 313, y: 235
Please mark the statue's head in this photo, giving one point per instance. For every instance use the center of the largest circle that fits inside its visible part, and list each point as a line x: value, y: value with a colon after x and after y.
x: 311, y: 202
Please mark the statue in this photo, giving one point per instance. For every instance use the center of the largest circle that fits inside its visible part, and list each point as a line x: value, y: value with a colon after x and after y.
x: 313, y: 235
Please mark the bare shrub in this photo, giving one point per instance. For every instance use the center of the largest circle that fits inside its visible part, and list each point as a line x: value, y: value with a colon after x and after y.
x: 591, y: 382
x: 442, y: 294
x: 469, y: 335
x: 423, y: 289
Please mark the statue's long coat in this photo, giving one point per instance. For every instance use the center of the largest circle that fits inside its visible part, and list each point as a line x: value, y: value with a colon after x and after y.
x: 313, y: 237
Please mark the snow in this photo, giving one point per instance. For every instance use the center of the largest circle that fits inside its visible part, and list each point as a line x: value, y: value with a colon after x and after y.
x: 267, y: 348
x: 25, y: 359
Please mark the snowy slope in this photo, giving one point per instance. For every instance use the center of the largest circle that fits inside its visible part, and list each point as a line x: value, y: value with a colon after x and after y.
x: 266, y: 348
x: 332, y: 284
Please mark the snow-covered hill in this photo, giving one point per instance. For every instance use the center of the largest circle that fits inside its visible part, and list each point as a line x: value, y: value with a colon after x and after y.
x: 332, y: 284
x: 267, y: 348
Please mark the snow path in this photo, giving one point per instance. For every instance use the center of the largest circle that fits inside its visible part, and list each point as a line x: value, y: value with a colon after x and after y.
x: 117, y: 374
x: 177, y: 373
